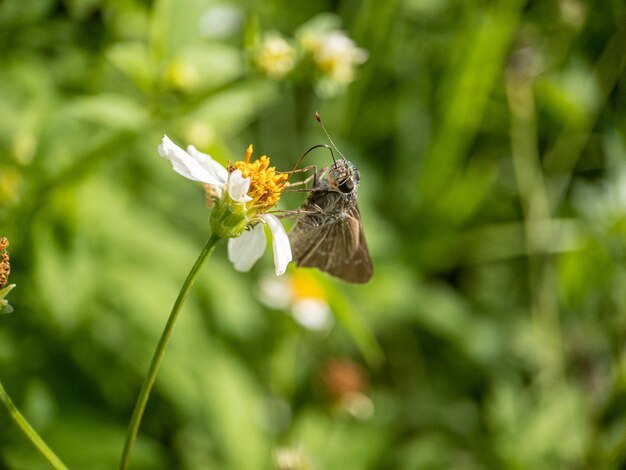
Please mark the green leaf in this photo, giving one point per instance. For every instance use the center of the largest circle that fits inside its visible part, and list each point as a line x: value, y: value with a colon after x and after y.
x: 133, y: 59
x: 110, y: 110
x: 351, y: 319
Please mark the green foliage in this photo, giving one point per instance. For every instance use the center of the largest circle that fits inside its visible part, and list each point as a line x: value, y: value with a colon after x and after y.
x: 490, y: 141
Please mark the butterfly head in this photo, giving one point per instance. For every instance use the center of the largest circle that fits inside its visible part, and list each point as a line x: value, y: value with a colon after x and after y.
x: 343, y: 177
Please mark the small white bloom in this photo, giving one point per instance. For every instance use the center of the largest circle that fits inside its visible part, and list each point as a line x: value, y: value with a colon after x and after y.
x: 247, y: 246
x: 275, y: 57
x: 337, y: 55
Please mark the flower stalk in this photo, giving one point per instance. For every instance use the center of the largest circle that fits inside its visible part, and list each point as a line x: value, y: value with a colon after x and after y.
x: 27, y: 429
x: 157, y: 357
x: 20, y: 420
x: 239, y: 197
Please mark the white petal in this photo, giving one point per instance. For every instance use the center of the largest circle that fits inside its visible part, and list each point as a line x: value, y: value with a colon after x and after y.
x: 238, y: 187
x: 246, y: 249
x: 184, y: 164
x: 216, y: 169
x: 280, y: 243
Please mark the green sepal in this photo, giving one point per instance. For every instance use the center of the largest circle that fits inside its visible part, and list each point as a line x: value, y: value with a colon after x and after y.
x: 226, y: 222
x: 5, y: 308
x: 4, y: 305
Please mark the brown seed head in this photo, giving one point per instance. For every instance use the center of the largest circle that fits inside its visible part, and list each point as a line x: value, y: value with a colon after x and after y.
x: 5, y: 267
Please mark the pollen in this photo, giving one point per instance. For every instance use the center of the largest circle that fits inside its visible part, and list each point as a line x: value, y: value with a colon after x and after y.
x: 266, y: 185
x: 5, y: 267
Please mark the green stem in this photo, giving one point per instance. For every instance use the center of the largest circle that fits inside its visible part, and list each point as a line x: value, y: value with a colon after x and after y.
x: 25, y: 426
x: 146, y: 388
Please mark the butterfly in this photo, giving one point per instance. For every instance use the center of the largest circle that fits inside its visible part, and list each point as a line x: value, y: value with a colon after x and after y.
x: 328, y: 233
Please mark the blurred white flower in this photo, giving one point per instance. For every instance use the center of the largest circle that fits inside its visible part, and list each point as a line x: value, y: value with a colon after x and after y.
x: 358, y: 405
x: 603, y: 203
x: 220, y: 21
x: 242, y: 193
x: 275, y: 56
x: 302, y: 296
x: 573, y: 12
x: 334, y: 53
x: 289, y: 458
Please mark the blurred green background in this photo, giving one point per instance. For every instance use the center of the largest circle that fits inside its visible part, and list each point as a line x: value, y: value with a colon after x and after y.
x: 490, y: 136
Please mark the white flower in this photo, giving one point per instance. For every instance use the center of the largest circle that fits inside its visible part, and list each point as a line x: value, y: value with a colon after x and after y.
x: 239, y: 206
x: 287, y: 458
x: 221, y: 21
x: 338, y: 54
x: 301, y: 295
x: 275, y: 56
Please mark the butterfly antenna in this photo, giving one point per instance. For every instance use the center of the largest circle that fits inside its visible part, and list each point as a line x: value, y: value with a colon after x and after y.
x: 319, y: 119
x: 330, y: 149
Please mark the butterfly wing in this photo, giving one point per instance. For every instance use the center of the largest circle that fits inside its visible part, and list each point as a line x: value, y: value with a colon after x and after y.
x: 349, y: 259
x: 330, y: 237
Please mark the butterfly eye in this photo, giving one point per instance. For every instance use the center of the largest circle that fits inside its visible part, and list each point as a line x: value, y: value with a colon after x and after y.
x: 346, y: 186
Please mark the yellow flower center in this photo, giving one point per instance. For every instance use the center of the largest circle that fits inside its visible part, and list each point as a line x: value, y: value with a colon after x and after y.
x: 266, y: 184
x: 5, y: 267
x: 304, y: 286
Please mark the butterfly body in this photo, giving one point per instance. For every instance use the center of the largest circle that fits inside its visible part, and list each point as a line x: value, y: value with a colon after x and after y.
x: 328, y: 233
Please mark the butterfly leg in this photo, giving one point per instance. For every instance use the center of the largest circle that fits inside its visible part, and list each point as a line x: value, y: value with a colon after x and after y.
x: 298, y: 170
x: 282, y: 214
x: 306, y: 180
x: 301, y: 190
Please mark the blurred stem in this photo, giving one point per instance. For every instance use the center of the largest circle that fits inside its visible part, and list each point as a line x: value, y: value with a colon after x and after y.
x: 157, y: 358
x: 539, y: 226
x: 25, y: 426
x: 568, y: 147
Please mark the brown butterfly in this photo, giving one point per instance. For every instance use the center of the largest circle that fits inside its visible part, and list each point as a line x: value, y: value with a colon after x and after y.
x: 328, y: 233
